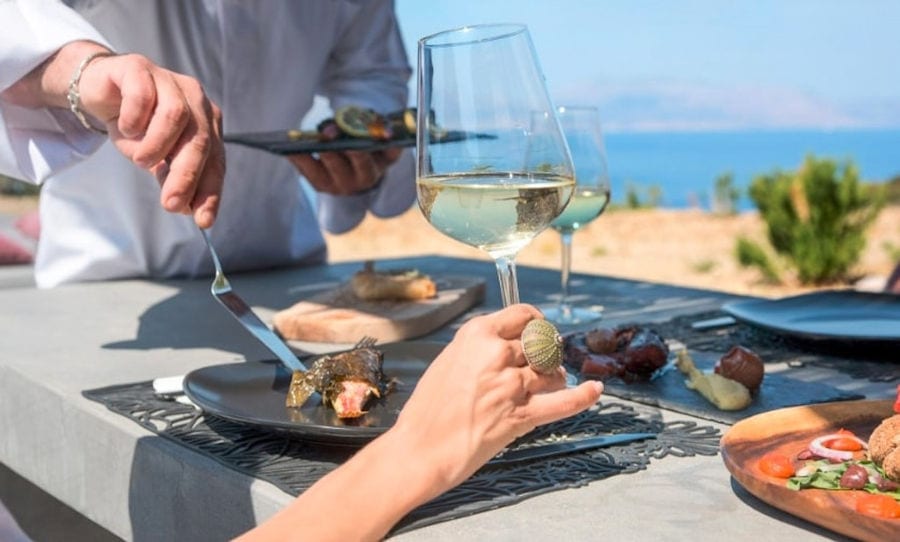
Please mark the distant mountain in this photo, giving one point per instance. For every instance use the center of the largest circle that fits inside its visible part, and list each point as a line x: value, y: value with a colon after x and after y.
x: 668, y: 106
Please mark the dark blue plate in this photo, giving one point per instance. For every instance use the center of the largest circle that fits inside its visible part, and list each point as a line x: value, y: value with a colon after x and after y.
x: 834, y: 315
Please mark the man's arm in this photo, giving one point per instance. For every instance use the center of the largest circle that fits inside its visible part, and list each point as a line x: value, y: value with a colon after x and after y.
x: 35, y: 143
x: 367, y: 68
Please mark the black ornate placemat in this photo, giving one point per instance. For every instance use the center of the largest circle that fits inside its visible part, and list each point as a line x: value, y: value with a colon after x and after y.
x: 294, y: 465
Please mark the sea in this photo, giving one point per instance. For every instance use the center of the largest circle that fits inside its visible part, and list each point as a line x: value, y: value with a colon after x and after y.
x: 679, y: 170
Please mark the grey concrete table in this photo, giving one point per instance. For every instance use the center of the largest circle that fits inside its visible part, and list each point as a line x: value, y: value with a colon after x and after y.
x: 57, y: 343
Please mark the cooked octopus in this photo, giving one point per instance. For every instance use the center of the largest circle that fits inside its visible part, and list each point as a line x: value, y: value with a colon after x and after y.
x: 346, y: 381
x: 631, y: 353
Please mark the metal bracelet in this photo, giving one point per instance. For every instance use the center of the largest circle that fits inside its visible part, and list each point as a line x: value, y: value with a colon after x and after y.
x: 74, y: 97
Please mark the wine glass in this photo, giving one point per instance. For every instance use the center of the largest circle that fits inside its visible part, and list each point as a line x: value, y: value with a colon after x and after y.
x: 581, y: 127
x: 486, y: 174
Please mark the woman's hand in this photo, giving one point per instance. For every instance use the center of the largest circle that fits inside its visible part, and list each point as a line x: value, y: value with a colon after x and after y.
x: 480, y: 394
x: 345, y: 173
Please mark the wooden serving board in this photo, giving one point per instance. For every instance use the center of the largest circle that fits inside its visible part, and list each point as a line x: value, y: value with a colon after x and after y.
x: 338, y: 316
x: 790, y: 430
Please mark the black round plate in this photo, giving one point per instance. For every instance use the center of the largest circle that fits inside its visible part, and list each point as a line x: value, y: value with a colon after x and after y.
x: 254, y: 392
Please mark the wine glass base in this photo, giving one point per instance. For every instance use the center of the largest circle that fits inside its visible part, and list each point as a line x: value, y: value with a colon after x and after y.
x: 575, y: 315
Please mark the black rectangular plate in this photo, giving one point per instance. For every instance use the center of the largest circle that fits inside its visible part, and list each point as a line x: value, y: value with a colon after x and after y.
x: 667, y: 390
x: 280, y: 142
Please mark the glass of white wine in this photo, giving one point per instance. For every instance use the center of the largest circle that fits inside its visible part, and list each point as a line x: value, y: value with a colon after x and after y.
x: 487, y: 174
x: 581, y: 126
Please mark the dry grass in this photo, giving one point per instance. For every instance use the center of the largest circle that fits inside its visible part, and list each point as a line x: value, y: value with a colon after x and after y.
x: 17, y: 205
x: 683, y: 247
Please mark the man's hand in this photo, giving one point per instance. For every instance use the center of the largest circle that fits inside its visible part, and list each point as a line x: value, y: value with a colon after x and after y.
x: 160, y: 120
x: 345, y: 173
x: 163, y: 122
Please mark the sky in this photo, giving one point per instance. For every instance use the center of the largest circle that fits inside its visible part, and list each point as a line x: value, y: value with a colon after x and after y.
x: 701, y: 65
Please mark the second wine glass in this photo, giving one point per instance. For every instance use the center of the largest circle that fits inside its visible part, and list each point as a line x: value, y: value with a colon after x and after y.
x: 581, y: 126
x: 487, y: 174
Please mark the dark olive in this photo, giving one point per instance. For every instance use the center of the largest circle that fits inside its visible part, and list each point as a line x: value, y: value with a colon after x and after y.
x: 855, y: 477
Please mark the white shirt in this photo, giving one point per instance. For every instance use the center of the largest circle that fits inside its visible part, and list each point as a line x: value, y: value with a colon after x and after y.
x: 262, y: 62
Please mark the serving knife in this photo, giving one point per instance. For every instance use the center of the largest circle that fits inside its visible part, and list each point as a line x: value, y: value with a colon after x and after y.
x: 223, y: 292
x: 567, y: 447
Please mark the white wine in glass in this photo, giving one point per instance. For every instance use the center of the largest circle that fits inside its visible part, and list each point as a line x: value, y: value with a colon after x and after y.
x: 581, y: 126
x: 487, y: 174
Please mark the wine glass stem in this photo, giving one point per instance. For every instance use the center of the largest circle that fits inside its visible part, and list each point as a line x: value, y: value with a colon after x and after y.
x: 509, y: 288
x: 565, y: 308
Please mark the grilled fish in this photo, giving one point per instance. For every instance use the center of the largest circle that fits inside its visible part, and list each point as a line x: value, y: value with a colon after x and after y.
x: 346, y: 380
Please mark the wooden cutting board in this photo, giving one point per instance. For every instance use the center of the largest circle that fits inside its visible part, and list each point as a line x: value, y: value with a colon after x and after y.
x: 338, y: 316
x: 789, y: 430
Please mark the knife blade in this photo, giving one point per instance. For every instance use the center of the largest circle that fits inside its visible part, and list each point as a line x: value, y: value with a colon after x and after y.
x: 567, y: 447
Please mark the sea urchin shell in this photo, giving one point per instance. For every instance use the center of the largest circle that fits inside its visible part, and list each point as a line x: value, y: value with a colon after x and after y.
x: 542, y: 345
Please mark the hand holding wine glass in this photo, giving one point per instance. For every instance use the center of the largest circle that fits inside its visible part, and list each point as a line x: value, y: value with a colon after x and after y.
x: 509, y: 176
x: 581, y: 126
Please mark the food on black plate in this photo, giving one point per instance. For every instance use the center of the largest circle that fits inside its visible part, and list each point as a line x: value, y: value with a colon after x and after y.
x: 347, y: 381
x: 743, y: 365
x: 725, y: 393
x: 602, y: 340
x: 631, y: 353
x: 397, y: 285
x: 735, y: 379
x: 361, y: 123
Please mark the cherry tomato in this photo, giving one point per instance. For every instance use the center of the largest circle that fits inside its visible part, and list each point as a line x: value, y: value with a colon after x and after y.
x: 844, y: 444
x: 777, y: 465
x: 897, y: 402
x: 880, y: 506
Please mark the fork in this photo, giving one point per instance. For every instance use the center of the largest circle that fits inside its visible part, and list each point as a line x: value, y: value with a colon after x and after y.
x: 365, y: 342
x: 224, y: 294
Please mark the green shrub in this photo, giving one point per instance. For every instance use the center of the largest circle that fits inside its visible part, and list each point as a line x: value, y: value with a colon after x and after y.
x: 892, y: 251
x: 703, y: 266
x: 15, y: 187
x: 726, y: 195
x: 598, y: 251
x: 892, y: 190
x: 641, y: 197
x: 632, y: 199
x: 751, y: 254
x: 816, y: 218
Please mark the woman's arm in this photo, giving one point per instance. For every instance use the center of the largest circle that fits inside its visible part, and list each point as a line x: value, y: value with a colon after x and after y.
x: 475, y: 399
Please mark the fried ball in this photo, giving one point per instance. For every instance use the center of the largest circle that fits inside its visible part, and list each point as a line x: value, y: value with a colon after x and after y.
x: 884, y: 446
